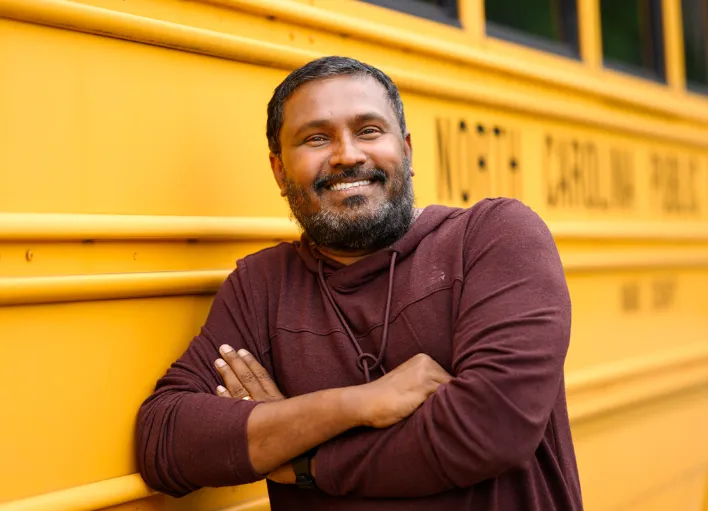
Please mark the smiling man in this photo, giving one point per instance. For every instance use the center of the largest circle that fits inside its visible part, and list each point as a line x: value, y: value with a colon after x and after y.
x: 393, y: 358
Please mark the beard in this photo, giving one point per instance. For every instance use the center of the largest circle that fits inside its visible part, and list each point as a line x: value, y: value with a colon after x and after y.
x: 355, y: 228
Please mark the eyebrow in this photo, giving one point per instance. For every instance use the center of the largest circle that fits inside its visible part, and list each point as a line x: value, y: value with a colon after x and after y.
x: 325, y: 123
x: 370, y: 116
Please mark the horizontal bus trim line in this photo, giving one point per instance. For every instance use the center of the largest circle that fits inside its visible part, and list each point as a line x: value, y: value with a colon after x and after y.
x: 56, y: 227
x: 72, y: 227
x: 633, y: 259
x: 607, y: 388
x: 371, y: 31
x: 108, y: 286
x: 79, y: 17
x: 102, y: 494
x: 115, y: 286
x: 88, y: 497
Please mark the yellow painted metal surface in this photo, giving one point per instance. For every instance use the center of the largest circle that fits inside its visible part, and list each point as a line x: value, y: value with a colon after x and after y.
x: 134, y: 172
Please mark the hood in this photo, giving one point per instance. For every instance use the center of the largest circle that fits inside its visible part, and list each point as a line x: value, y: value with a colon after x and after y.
x: 349, y: 277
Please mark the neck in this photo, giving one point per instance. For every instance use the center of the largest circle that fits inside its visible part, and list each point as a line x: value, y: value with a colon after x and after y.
x: 345, y: 256
x: 348, y: 257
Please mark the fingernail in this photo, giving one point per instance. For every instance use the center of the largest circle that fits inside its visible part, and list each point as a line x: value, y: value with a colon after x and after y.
x: 220, y: 389
x: 247, y: 398
x: 220, y: 363
x: 225, y: 348
x: 243, y: 353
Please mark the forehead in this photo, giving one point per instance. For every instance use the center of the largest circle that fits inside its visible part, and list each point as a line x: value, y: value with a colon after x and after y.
x: 336, y: 98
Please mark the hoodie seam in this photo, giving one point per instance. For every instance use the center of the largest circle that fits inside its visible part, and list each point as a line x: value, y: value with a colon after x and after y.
x: 301, y: 330
x: 393, y: 318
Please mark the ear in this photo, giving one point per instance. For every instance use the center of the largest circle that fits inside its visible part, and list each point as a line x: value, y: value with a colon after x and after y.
x: 276, y: 165
x: 408, y: 150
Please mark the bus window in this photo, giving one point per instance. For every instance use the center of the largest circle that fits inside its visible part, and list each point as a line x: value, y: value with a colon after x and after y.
x: 550, y: 25
x: 442, y: 11
x: 695, y: 43
x: 632, y: 40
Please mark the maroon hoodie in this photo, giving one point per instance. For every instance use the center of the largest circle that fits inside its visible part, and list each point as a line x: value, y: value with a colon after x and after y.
x: 480, y: 290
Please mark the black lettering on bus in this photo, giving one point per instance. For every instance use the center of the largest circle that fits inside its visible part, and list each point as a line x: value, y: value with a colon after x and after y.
x: 623, y: 180
x: 462, y: 191
x: 594, y: 194
x: 514, y: 163
x: 581, y: 174
x: 506, y: 166
x: 556, y: 167
x: 674, y: 184
x: 475, y: 160
x: 663, y: 294
x: 480, y: 171
x: 630, y: 296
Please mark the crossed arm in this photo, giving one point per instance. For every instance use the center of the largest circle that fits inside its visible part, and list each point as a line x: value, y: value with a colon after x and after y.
x: 189, y: 438
x: 509, y: 347
x: 274, y: 431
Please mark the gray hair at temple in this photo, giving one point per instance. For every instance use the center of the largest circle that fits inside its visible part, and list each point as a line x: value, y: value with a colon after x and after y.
x: 325, y: 67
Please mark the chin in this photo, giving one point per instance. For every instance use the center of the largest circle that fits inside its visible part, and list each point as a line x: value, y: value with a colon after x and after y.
x: 355, y: 202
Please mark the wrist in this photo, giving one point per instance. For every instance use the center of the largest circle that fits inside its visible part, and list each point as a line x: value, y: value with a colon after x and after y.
x: 354, y: 406
x: 302, y: 467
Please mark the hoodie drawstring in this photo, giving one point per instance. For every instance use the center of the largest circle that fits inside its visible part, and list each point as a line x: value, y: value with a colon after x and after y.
x: 363, y: 358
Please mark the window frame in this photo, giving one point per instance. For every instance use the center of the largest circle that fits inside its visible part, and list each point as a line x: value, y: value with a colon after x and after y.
x: 536, y: 42
x: 697, y: 88
x: 691, y: 86
x: 421, y: 10
x: 659, y: 43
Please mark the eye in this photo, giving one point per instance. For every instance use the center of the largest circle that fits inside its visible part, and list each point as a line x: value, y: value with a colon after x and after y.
x: 370, y: 132
x: 316, y: 140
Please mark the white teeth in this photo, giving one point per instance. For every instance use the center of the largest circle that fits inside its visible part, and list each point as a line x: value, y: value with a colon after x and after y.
x: 343, y: 186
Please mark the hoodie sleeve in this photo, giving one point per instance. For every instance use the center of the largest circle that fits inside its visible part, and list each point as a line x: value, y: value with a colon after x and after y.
x: 509, y: 348
x: 187, y: 437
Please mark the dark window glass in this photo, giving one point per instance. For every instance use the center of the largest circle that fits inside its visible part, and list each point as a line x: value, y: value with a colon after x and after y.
x: 695, y: 43
x: 632, y: 37
x: 550, y: 25
x: 443, y: 11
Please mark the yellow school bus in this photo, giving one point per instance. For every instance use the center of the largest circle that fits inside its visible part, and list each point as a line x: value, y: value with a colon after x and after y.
x: 134, y: 173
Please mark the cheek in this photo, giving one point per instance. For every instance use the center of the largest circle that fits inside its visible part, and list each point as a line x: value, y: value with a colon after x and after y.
x: 303, y: 167
x: 388, y: 156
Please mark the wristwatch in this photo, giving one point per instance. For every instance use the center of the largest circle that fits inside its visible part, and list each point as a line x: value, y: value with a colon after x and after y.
x: 301, y: 465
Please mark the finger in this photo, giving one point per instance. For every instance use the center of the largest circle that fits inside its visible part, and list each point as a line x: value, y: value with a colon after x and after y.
x: 245, y: 376
x: 443, y: 376
x: 231, y: 382
x: 222, y: 391
x: 261, y: 375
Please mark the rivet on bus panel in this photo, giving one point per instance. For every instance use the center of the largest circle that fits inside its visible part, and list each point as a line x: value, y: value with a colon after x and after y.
x: 29, y: 255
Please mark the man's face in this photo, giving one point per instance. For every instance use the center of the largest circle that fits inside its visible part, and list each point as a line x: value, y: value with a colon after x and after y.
x: 345, y: 166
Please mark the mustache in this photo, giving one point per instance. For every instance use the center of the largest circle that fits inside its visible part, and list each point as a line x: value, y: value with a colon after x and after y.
x: 351, y: 173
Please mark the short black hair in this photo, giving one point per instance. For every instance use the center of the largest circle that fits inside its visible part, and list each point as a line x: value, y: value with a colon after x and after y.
x: 325, y: 67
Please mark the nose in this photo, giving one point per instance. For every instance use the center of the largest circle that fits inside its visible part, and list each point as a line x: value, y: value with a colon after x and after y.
x: 346, y: 153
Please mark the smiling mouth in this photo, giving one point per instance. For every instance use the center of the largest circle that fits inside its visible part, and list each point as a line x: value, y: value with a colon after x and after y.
x: 337, y: 187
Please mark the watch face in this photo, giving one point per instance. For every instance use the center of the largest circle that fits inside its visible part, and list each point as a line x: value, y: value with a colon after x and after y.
x: 304, y: 482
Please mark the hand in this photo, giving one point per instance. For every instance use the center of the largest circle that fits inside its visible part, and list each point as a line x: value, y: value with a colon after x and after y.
x: 397, y: 394
x: 285, y: 474
x: 244, y: 377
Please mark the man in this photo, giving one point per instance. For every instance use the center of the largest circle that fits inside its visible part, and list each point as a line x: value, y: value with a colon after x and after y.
x: 416, y: 356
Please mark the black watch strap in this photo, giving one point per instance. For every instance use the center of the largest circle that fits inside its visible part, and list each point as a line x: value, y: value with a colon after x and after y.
x: 303, y: 475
